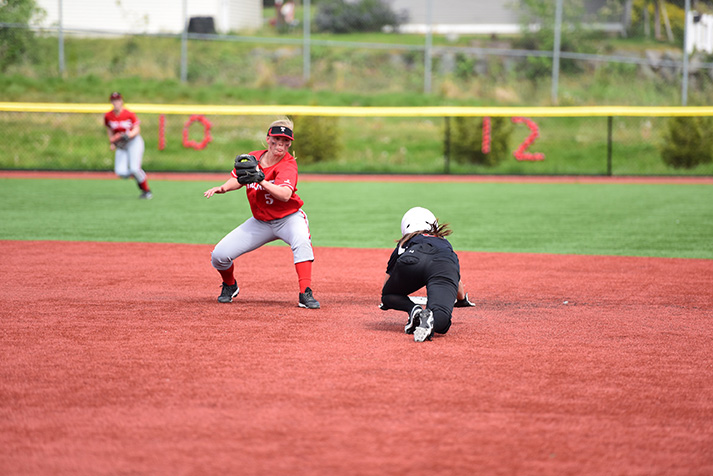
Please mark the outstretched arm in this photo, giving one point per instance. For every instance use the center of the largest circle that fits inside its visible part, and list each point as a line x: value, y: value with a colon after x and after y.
x: 230, y: 185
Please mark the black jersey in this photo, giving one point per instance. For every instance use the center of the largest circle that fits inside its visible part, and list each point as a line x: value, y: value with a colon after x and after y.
x: 438, y: 248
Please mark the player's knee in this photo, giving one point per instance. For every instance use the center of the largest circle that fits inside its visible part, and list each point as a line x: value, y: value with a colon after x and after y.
x: 390, y: 301
x: 302, y: 250
x: 220, y: 261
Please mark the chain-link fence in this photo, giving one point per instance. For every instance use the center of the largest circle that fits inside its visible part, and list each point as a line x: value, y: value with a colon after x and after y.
x: 553, y: 52
x: 552, y: 55
x: 368, y: 142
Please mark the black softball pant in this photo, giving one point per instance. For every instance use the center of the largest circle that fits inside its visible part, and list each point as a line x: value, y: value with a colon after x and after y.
x: 413, y: 271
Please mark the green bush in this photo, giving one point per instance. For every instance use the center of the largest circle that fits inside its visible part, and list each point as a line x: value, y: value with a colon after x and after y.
x: 17, y: 44
x: 466, y: 140
x: 341, y: 16
x: 316, y: 139
x: 688, y: 142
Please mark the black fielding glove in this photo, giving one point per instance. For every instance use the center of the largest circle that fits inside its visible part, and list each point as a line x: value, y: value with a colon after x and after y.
x: 246, y: 169
x: 464, y: 302
x: 256, y: 176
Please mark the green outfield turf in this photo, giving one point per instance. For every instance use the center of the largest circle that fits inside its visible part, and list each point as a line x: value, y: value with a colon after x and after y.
x: 599, y: 219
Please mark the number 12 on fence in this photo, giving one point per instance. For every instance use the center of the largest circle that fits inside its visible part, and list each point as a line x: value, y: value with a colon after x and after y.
x: 521, y: 152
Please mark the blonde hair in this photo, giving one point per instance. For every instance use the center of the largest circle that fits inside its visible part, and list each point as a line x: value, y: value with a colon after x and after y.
x: 285, y: 121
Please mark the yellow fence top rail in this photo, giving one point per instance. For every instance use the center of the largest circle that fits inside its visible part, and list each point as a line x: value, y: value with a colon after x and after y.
x: 446, y: 111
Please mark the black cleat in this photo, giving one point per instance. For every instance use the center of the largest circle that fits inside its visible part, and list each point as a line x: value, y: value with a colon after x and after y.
x: 229, y: 292
x: 307, y: 300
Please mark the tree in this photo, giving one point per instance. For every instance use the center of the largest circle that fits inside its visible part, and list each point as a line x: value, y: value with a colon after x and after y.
x: 17, y: 40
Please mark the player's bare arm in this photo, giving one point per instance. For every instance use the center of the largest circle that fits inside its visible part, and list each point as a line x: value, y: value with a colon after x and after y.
x: 230, y: 185
x: 136, y: 130
x: 112, y: 146
x: 461, y: 290
x: 280, y: 192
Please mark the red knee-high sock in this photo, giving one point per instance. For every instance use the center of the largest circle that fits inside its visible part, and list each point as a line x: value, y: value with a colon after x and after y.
x: 228, y: 275
x: 304, y: 274
x: 143, y: 185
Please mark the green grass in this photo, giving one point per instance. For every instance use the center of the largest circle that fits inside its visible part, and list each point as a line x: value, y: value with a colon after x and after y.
x: 592, y: 219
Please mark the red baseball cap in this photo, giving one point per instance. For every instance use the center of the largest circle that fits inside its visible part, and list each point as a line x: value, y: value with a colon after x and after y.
x: 115, y: 95
x: 280, y: 131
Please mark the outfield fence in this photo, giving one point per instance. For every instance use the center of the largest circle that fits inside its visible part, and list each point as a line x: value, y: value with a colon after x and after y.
x: 391, y: 140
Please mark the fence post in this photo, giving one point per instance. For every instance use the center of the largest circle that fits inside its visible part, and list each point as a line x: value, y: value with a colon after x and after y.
x: 428, y: 50
x: 447, y: 147
x: 306, y: 53
x: 610, y: 121
x: 60, y: 38
x: 684, y: 82
x: 556, y: 52
x: 184, y: 44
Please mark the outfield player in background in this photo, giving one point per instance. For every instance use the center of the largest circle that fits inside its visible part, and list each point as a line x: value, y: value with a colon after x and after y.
x: 125, y: 139
x: 277, y: 214
x: 424, y: 257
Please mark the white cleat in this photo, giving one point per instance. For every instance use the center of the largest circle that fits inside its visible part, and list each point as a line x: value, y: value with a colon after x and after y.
x: 424, y: 331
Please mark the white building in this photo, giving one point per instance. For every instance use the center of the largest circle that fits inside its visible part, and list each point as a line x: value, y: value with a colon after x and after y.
x: 473, y: 16
x: 150, y: 16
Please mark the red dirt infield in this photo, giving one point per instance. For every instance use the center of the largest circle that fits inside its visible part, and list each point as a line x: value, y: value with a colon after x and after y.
x: 117, y: 359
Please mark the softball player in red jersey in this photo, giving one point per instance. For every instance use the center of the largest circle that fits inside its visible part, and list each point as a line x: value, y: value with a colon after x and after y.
x: 125, y: 139
x: 277, y: 214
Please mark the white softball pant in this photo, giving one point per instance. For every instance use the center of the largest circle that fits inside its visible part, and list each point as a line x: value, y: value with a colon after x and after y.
x: 292, y: 229
x: 127, y: 162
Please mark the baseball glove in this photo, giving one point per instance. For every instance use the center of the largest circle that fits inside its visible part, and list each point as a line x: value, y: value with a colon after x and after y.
x: 121, y: 141
x: 247, y: 171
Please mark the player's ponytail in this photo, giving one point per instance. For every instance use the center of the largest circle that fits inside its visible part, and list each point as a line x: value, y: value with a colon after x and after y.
x: 440, y: 231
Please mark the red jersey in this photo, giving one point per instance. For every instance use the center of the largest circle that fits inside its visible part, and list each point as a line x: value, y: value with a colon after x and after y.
x: 264, y: 206
x: 123, y: 122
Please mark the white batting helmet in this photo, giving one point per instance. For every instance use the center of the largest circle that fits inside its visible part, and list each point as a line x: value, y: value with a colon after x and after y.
x: 417, y: 219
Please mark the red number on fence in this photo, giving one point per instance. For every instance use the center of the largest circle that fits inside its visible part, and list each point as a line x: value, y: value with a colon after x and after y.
x: 485, y: 146
x: 161, y: 132
x: 206, y: 133
x: 520, y: 153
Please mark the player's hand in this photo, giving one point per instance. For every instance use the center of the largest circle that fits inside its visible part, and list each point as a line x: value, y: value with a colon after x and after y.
x: 465, y: 302
x: 211, y: 191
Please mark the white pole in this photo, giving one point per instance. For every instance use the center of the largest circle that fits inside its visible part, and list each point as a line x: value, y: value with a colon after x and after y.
x: 684, y: 82
x: 306, y: 53
x: 556, y: 52
x: 184, y: 44
x: 429, y: 43
x: 61, y: 42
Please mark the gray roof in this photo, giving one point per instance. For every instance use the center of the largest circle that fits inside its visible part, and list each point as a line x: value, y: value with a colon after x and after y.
x: 458, y: 11
x: 474, y: 12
